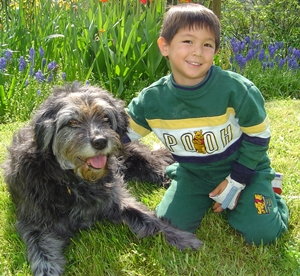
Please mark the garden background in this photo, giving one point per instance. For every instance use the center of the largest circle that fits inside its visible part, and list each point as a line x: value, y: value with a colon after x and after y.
x: 113, y: 44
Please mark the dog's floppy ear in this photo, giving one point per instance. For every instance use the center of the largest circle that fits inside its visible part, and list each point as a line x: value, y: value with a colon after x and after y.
x: 123, y: 122
x: 120, y: 119
x: 44, y: 124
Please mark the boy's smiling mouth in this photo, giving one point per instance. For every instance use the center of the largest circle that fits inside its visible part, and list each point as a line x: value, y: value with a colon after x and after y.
x: 194, y: 63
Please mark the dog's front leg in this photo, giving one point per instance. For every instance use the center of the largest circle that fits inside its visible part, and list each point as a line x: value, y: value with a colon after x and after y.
x: 145, y: 223
x: 143, y: 165
x: 44, y: 250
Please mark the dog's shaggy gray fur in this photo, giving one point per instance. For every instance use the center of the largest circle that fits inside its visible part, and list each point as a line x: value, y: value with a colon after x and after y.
x: 66, y: 170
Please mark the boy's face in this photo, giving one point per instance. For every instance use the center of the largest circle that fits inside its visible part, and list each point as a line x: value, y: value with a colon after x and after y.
x: 190, y: 54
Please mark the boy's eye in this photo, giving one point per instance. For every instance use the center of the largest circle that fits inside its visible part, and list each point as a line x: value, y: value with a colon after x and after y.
x: 187, y: 41
x: 208, y: 45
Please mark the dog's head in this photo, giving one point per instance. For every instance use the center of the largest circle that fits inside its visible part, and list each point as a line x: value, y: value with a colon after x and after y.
x: 82, y: 127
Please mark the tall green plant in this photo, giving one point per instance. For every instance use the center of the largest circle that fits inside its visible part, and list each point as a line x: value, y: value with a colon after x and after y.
x: 123, y: 41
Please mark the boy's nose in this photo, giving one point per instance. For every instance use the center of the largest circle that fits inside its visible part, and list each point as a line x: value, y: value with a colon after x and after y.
x: 197, y: 52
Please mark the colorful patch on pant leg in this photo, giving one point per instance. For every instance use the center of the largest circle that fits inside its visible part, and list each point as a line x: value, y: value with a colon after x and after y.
x: 262, y: 203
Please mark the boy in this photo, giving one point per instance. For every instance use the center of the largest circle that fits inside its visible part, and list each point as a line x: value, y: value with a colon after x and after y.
x: 215, y: 125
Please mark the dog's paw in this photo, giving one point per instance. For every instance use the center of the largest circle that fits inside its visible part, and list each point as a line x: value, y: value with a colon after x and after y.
x: 166, y: 182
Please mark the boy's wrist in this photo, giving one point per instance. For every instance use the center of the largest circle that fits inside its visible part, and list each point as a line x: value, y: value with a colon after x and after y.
x: 229, y: 196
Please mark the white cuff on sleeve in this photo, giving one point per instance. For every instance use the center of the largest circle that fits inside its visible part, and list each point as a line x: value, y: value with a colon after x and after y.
x: 228, y: 197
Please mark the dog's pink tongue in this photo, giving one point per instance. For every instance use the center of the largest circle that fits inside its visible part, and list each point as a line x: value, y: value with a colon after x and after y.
x: 97, y: 162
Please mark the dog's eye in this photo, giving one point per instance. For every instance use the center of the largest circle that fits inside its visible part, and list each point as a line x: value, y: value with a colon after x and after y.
x: 73, y: 123
x: 106, y: 119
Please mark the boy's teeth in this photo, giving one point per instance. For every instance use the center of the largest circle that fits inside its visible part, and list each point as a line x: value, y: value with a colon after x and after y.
x: 194, y: 63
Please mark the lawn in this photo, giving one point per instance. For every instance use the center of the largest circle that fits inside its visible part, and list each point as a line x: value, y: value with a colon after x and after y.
x: 109, y: 249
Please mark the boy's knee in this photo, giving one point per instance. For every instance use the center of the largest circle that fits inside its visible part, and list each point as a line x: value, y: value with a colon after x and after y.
x: 264, y: 232
x: 263, y: 236
x: 178, y: 220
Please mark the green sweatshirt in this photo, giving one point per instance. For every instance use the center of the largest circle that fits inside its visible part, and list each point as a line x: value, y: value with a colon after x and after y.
x: 207, y: 122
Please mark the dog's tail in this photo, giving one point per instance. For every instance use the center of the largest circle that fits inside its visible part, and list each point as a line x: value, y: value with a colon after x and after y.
x: 146, y: 223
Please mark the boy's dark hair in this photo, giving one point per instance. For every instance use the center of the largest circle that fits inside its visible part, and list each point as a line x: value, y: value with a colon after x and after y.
x: 191, y: 16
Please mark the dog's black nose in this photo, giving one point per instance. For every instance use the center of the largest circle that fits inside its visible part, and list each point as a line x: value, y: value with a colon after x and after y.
x: 99, y: 143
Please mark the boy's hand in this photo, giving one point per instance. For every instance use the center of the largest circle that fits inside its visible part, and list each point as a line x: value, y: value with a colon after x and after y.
x: 226, y: 194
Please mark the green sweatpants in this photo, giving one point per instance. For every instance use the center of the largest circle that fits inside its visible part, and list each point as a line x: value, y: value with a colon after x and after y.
x: 260, y: 216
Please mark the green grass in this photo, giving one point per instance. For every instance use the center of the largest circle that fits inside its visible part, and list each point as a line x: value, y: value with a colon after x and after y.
x: 109, y: 249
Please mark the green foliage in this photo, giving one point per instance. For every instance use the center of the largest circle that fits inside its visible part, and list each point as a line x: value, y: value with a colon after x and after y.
x: 123, y: 41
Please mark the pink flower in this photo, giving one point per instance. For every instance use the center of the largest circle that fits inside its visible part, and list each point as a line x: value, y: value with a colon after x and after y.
x: 144, y: 2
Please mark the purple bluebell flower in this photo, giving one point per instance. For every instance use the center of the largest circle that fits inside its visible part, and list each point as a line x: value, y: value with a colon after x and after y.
x: 3, y: 63
x: 242, y: 46
x: 250, y: 55
x: 267, y: 58
x: 39, y: 75
x: 87, y: 82
x: 31, y: 55
x: 50, y: 77
x: 256, y: 44
x: 264, y: 66
x: 293, y: 64
x: 241, y: 61
x: 8, y: 54
x: 22, y: 64
x: 281, y: 63
x: 44, y: 61
x: 232, y: 42
x: 271, y: 64
x: 51, y: 65
x: 236, y: 49
x: 272, y: 50
x: 41, y: 51
x: 31, y: 71
x: 247, y: 40
x: 272, y: 53
x: 39, y: 92
x: 280, y: 45
x: 26, y: 82
x: 63, y: 75
x: 261, y: 55
x: 296, y: 53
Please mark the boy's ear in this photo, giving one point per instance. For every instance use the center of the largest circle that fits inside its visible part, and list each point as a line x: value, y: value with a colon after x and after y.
x: 163, y: 46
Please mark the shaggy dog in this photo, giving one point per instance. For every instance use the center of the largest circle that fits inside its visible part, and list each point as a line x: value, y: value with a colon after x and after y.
x: 66, y: 170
